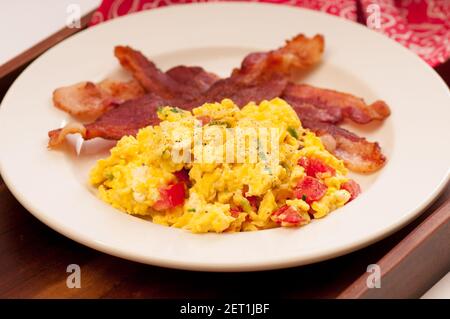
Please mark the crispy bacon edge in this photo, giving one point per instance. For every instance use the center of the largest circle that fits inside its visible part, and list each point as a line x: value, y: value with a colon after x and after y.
x: 358, y: 154
x: 87, y: 99
x: 125, y: 119
x: 298, y: 54
x: 335, y: 106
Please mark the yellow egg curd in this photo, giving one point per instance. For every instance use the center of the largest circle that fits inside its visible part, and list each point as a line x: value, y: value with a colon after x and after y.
x: 220, y: 169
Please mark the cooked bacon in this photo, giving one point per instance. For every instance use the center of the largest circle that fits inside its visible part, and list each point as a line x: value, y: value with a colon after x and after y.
x: 145, y: 72
x: 258, y: 78
x: 173, y: 86
x: 86, y: 99
x: 335, y: 106
x: 310, y: 111
x: 321, y: 109
x: 193, y: 76
x: 264, y: 75
x: 125, y: 119
x: 122, y: 91
x: 358, y: 154
x: 184, y: 84
x: 261, y: 76
x: 57, y: 137
x: 241, y: 93
x: 90, y: 100
x: 82, y: 99
x: 296, y: 55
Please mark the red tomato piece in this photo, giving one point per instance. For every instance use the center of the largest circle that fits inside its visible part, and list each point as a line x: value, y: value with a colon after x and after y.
x: 182, y: 176
x: 314, y: 166
x: 170, y: 197
x: 204, y: 119
x: 310, y: 189
x: 254, y: 201
x: 280, y: 210
x: 352, y: 187
x: 235, y: 211
x: 287, y: 216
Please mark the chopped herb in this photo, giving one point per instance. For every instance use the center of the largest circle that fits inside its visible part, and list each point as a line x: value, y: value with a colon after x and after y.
x: 109, y: 176
x: 175, y: 110
x: 303, y: 197
x: 191, y: 210
x: 292, y: 131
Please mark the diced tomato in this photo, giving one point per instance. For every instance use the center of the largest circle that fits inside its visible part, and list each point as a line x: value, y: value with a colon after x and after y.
x: 235, y: 211
x: 287, y: 216
x: 314, y: 166
x: 352, y: 187
x: 280, y: 210
x: 170, y: 196
x: 204, y: 119
x: 182, y: 176
x: 254, y: 202
x: 310, y: 189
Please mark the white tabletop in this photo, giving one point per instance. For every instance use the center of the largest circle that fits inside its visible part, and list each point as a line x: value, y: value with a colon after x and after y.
x: 441, y: 290
x: 29, y: 21
x: 26, y: 22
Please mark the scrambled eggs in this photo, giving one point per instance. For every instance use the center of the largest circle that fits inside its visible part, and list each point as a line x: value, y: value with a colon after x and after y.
x: 180, y: 174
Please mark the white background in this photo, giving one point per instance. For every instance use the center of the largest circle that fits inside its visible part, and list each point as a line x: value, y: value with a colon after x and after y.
x: 26, y: 22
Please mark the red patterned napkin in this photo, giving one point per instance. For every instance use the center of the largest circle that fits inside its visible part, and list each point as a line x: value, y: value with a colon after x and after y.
x: 423, y: 26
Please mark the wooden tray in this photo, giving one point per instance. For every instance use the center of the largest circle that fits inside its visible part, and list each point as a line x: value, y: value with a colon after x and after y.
x: 34, y: 258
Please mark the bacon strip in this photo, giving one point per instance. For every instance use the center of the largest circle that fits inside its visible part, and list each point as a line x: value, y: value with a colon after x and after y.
x: 358, y: 154
x: 172, y: 86
x: 264, y: 75
x: 336, y: 105
x: 241, y: 93
x: 192, y: 86
x: 306, y: 110
x: 195, y: 78
x: 122, y: 91
x: 261, y: 76
x: 125, y: 119
x: 86, y: 99
x: 296, y: 55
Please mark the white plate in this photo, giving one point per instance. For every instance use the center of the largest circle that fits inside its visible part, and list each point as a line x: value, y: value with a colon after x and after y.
x: 53, y: 185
